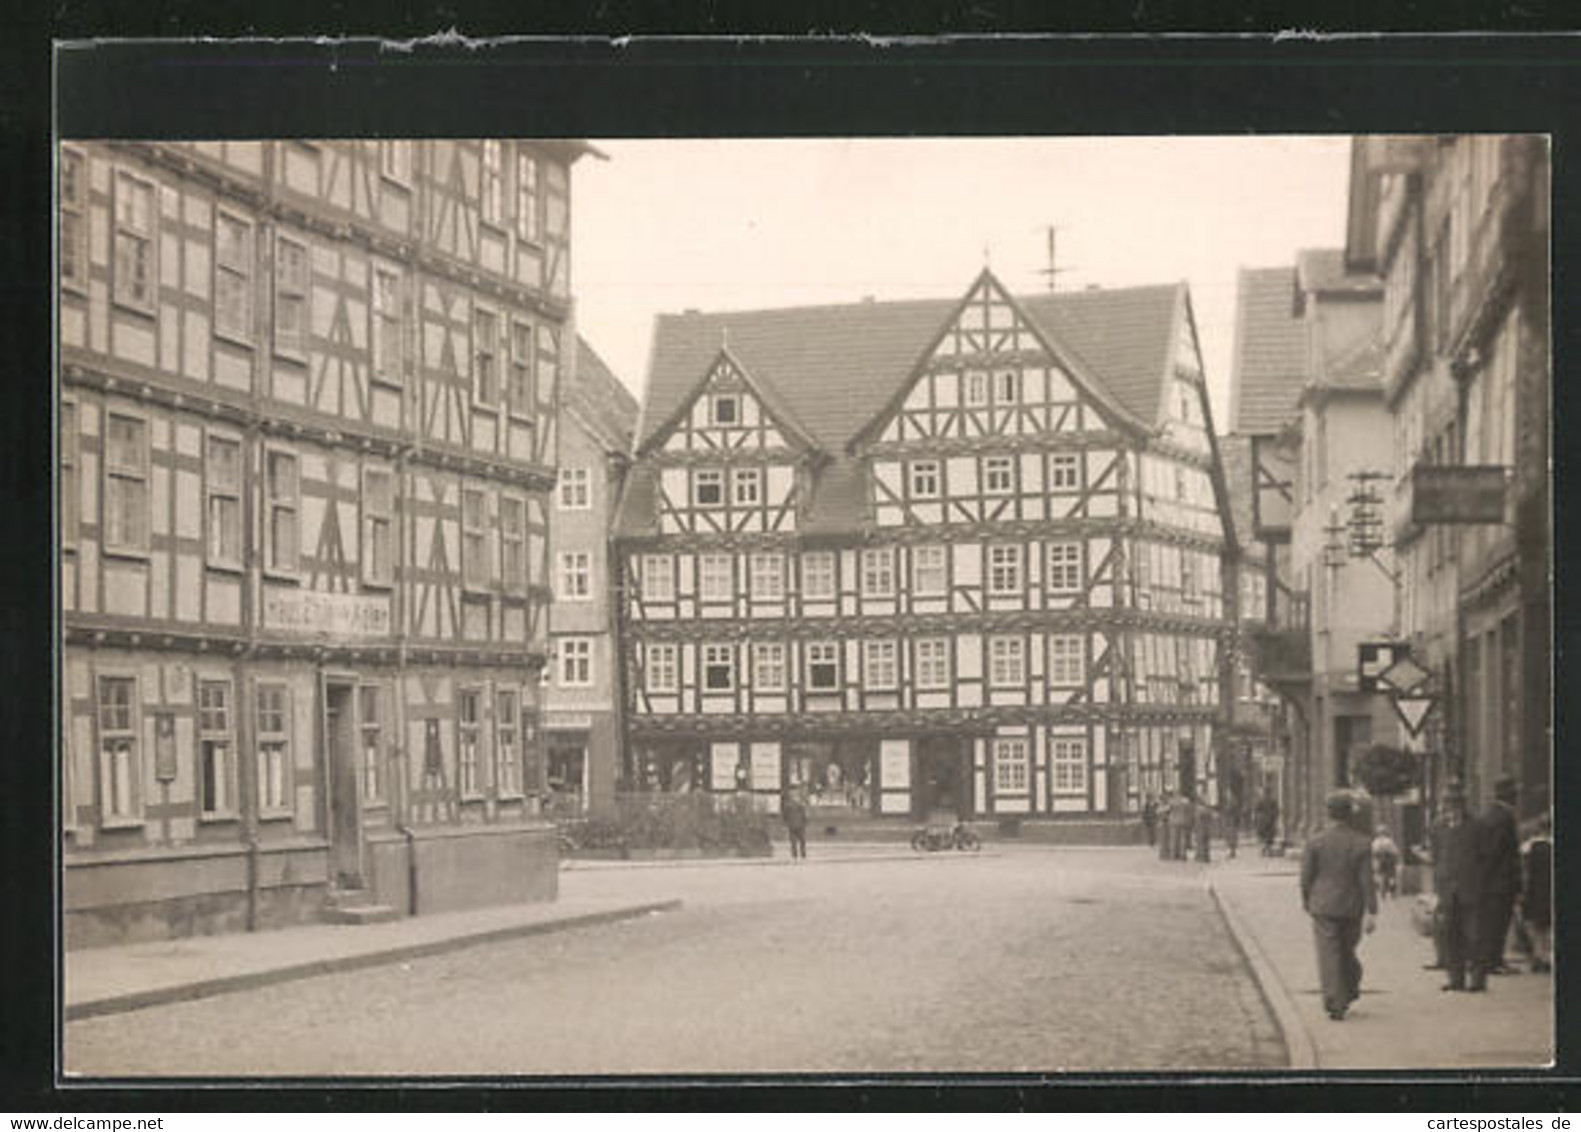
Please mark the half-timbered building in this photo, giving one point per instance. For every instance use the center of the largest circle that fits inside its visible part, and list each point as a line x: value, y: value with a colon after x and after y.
x: 306, y: 441
x: 928, y: 555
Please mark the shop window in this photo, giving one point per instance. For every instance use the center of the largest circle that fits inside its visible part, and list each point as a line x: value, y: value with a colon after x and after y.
x: 73, y: 219
x: 719, y: 668
x: 576, y: 662
x: 233, y: 269
x: 823, y: 666
x: 817, y: 575
x: 370, y: 728
x: 1004, y: 570
x: 469, y: 725
x: 768, y: 667
x: 878, y: 572
x: 1010, y: 766
x: 282, y: 505
x: 507, y: 745
x: 274, y: 751
x: 660, y: 669
x: 126, y: 498
x: 1007, y: 662
x: 928, y: 576
x: 134, y: 242
x: 933, y: 663
x: 1068, y: 758
x: 576, y: 575
x: 574, y: 490
x: 293, y: 290
x: 120, y: 765
x: 879, y: 666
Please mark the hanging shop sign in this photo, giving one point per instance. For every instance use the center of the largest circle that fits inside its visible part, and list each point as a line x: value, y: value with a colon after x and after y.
x: 1374, y: 658
x: 1457, y: 493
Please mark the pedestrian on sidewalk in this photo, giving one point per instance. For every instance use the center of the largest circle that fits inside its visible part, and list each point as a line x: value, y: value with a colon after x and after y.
x: 1267, y: 818
x: 1150, y: 818
x: 794, y: 810
x: 1441, y: 850
x: 1454, y: 882
x: 1202, y: 830
x: 1166, y: 808
x: 1337, y: 892
x: 1385, y: 862
x: 1231, y: 821
x: 1181, y: 816
x: 1499, y: 858
x: 1537, y: 895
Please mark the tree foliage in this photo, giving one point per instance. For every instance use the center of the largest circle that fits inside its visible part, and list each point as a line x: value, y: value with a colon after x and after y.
x: 1387, y: 771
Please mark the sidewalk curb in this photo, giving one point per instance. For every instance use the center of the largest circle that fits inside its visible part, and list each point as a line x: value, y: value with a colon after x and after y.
x: 1299, y: 1046
x: 252, y: 980
x: 595, y: 865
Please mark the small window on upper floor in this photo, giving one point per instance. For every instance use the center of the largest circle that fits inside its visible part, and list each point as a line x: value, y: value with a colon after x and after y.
x: 975, y: 387
x: 924, y: 479
x: 708, y: 487
x: 726, y: 409
x: 747, y: 484
x: 1007, y: 386
x: 395, y: 161
x: 575, y: 493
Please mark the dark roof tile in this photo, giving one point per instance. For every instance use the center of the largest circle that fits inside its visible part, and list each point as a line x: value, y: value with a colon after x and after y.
x: 1270, y: 361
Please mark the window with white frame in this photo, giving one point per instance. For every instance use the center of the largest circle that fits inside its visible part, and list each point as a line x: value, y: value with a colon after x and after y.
x: 274, y: 750
x: 768, y: 576
x: 1067, y: 666
x: 485, y: 358
x: 576, y: 575
x: 1007, y: 662
x: 73, y: 219
x: 1010, y: 766
x: 1068, y: 758
x: 388, y: 347
x: 933, y: 663
x: 395, y: 161
x: 1188, y: 576
x: 1064, y: 567
x: 70, y: 489
x: 717, y: 582
x: 708, y: 487
x: 719, y: 668
x: 1007, y: 386
x: 924, y: 479
x: 928, y: 574
x: 120, y: 768
x: 660, y: 670
x: 976, y: 387
x: 370, y: 733
x: 725, y: 409
x: 526, y: 196
x: 126, y: 498
x: 469, y: 729
x: 520, y: 393
x: 222, y: 488
x: 998, y: 475
x: 282, y: 507
x: 878, y: 572
x: 233, y: 270
x: 474, y: 538
x: 507, y: 744
x: 746, y: 486
x: 513, y: 544
x: 823, y: 666
x: 575, y: 490
x: 378, y: 526
x: 1064, y: 472
x: 134, y: 241
x: 817, y: 574
x: 1004, y: 569
x: 768, y: 666
x: 658, y: 577
x: 879, y: 669
x: 576, y: 662
x: 492, y: 192
x: 293, y: 289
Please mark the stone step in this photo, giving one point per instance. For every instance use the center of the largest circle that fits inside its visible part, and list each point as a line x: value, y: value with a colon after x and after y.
x: 360, y: 914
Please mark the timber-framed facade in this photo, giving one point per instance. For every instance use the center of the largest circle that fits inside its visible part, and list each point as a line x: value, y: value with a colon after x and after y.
x: 925, y: 556
x: 307, y: 441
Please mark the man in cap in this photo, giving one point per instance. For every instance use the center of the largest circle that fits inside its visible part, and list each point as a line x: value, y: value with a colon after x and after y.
x: 1498, y: 861
x: 1337, y: 892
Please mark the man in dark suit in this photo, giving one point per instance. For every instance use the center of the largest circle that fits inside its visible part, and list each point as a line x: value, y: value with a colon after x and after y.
x: 1455, y: 919
x: 1498, y: 884
x: 1337, y: 892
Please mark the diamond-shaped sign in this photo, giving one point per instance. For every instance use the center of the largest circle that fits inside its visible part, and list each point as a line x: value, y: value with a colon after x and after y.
x: 1404, y: 676
x: 1373, y: 658
x: 1413, y: 711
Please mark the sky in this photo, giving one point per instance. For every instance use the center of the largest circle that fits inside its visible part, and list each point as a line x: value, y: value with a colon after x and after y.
x: 722, y: 224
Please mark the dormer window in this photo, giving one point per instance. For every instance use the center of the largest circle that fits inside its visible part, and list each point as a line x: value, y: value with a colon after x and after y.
x: 727, y: 409
x: 708, y: 488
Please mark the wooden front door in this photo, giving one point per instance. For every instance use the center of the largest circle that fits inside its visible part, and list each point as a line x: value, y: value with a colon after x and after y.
x: 345, y: 799
x: 942, y: 788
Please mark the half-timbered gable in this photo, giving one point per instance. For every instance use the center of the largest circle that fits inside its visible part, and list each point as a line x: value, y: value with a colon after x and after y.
x: 991, y: 544
x: 307, y: 440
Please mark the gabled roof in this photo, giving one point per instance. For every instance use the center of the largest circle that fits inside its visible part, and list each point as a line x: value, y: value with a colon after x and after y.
x: 1270, y: 360
x: 835, y: 367
x: 601, y: 399
x: 777, y: 405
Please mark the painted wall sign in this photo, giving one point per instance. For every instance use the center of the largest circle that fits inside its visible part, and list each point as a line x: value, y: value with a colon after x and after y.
x: 337, y: 616
x: 1452, y: 493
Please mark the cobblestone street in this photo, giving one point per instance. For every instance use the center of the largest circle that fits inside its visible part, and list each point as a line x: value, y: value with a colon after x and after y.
x: 1021, y: 959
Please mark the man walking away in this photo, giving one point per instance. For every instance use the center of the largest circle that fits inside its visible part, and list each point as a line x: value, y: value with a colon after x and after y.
x: 1267, y: 817
x: 1337, y: 892
x: 1499, y: 856
x: 1537, y: 896
x: 1385, y: 862
x: 794, y: 811
x: 1455, y: 918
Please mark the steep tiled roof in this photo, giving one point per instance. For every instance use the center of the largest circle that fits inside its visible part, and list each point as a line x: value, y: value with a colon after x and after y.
x: 1270, y: 360
x: 602, y: 398
x: 1323, y: 269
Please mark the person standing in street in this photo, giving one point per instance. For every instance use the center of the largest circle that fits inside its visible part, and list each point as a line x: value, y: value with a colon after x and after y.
x: 1267, y: 817
x: 1150, y: 819
x: 794, y: 810
x: 1166, y: 807
x: 1202, y: 831
x: 1337, y: 893
x: 1455, y: 918
x: 1537, y: 895
x: 1181, y: 815
x: 1499, y: 859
